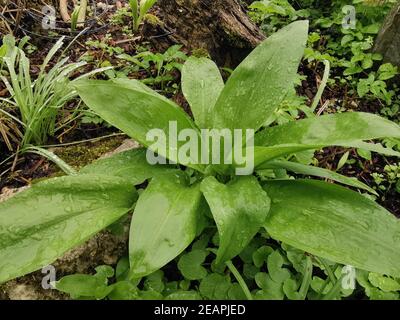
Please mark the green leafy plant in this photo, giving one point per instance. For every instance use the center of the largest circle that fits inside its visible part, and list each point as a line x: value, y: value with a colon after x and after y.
x: 34, y: 103
x: 140, y: 9
x: 159, y: 66
x: 105, y: 46
x: 375, y: 83
x: 323, y: 219
x: 272, y: 14
x: 75, y: 18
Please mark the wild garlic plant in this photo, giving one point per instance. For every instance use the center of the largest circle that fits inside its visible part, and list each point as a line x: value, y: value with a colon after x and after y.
x: 322, y: 218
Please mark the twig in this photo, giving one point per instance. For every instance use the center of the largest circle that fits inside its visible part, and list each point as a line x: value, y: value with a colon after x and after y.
x: 127, y: 40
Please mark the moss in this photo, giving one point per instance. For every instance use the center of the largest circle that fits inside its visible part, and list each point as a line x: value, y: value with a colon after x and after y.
x: 200, y: 53
x: 77, y: 156
x: 153, y: 20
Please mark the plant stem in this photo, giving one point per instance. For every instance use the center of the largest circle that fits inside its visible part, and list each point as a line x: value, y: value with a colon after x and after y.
x: 135, y: 13
x: 82, y: 141
x: 329, y: 271
x: 52, y: 157
x: 239, y: 279
x: 305, y: 285
x: 322, y: 85
x: 335, y: 289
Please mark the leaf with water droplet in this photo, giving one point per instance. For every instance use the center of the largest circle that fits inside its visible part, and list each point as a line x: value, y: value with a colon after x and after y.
x: 334, y: 223
x: 258, y: 85
x: 164, y: 223
x: 40, y: 224
x: 239, y: 209
x: 201, y: 84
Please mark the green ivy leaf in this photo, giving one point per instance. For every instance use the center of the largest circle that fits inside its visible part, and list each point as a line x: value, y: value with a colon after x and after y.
x: 215, y: 287
x: 190, y: 264
x: 155, y: 281
x: 184, y: 295
x: 260, y: 256
x: 383, y: 282
x: 271, y: 290
x: 275, y: 270
x: 290, y: 287
x: 124, y: 290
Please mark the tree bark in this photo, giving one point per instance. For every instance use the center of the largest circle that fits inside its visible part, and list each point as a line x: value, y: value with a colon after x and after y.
x: 219, y: 26
x: 387, y: 42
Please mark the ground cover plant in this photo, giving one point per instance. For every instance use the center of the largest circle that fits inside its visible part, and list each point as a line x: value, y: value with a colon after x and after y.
x: 265, y: 219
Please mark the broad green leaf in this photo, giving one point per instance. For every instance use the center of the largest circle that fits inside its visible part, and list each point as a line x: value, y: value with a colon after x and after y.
x: 264, y: 154
x: 260, y: 83
x: 374, y: 147
x: 315, y: 171
x: 201, y: 84
x: 337, y: 129
x: 164, y: 223
x: 236, y: 292
x: 38, y: 225
x: 257, y: 156
x: 122, y: 268
x: 135, y: 109
x: 131, y: 165
x: 151, y: 295
x: 334, y: 223
x: 239, y: 210
x: 372, y: 292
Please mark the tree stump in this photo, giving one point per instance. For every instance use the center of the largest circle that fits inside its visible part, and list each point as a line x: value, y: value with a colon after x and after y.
x: 387, y: 42
x: 219, y: 26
